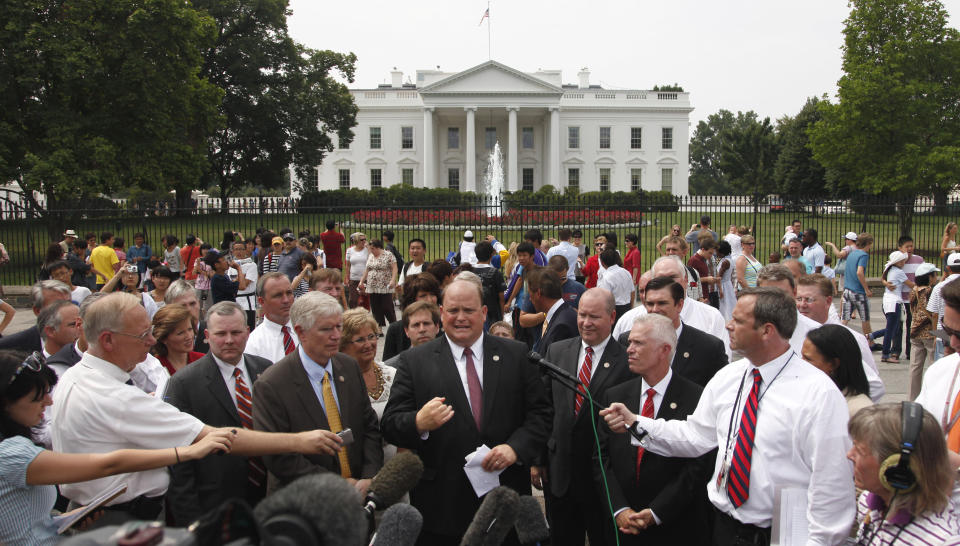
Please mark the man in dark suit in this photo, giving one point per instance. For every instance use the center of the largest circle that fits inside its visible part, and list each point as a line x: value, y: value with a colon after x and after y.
x: 42, y: 294
x: 560, y: 318
x: 698, y: 354
x: 446, y: 402
x: 573, y: 506
x: 216, y: 390
x: 657, y: 500
x: 316, y: 387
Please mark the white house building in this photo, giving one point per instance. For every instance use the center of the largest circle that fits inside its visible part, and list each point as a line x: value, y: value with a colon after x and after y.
x: 439, y: 132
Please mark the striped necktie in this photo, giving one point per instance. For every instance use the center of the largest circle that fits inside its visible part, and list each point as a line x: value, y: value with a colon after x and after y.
x: 333, y: 419
x: 647, y: 411
x: 738, y: 483
x: 256, y: 473
x: 584, y: 377
x: 288, y: 345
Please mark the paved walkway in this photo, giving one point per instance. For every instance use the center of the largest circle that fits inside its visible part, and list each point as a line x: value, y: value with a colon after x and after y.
x: 895, y: 376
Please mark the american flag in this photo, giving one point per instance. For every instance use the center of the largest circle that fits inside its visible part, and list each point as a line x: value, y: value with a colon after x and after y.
x: 486, y: 15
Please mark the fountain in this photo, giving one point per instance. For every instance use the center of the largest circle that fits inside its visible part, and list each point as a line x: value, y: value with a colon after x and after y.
x: 493, y: 175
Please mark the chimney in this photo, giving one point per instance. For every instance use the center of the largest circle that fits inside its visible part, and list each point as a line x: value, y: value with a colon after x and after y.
x: 397, y: 77
x: 584, y: 76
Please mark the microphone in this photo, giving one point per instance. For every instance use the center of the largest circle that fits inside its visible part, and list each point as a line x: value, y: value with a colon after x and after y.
x: 494, y: 519
x: 537, y: 359
x: 531, y: 526
x: 399, y: 475
x: 316, y: 509
x: 399, y: 526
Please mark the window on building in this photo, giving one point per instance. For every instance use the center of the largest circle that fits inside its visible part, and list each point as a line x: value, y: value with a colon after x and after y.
x: 343, y: 143
x: 313, y: 179
x: 376, y: 178
x: 375, y: 140
x: 604, y: 179
x: 635, y: 179
x: 573, y: 178
x: 527, y: 138
x: 453, y: 179
x: 636, y: 138
x: 604, y: 138
x: 406, y: 177
x: 527, y: 178
x: 666, y: 140
x: 453, y: 138
x: 666, y: 180
x: 573, y: 138
x: 490, y: 137
x: 406, y: 138
x: 344, y: 179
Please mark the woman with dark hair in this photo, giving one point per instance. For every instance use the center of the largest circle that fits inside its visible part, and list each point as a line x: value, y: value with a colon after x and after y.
x: 228, y: 238
x: 301, y: 283
x: 921, y: 338
x: 442, y: 272
x: 379, y: 282
x: 834, y: 350
x: 222, y: 288
x: 127, y: 279
x: 161, y: 277
x: 419, y: 287
x: 728, y: 296
x: 171, y: 255
x: 54, y: 255
x: 28, y: 473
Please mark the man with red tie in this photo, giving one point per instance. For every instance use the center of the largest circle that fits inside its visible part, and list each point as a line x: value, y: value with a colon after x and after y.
x: 656, y: 499
x: 776, y: 421
x: 274, y: 338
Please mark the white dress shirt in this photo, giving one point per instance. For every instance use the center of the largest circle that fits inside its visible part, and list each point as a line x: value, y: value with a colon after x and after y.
x: 619, y: 282
x: 939, y: 388
x: 150, y: 376
x: 461, y: 362
x: 553, y: 311
x: 801, y: 441
x: 95, y: 411
x: 597, y: 353
x: 266, y: 340
x: 804, y: 325
x: 568, y: 251
x: 226, y: 371
x: 697, y: 314
x: 935, y: 301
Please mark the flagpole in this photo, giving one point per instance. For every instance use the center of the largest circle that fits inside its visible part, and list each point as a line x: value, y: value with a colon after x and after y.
x: 489, y: 56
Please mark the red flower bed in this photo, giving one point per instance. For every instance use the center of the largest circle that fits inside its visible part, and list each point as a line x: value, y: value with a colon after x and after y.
x: 522, y: 217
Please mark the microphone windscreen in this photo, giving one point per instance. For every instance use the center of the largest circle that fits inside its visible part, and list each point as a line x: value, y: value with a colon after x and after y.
x: 399, y: 526
x: 325, y: 503
x: 494, y: 519
x: 534, y: 356
x: 398, y: 476
x: 531, y: 523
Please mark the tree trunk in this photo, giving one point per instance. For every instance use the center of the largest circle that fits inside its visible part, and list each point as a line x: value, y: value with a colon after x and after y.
x: 939, y: 202
x: 182, y: 205
x: 905, y: 214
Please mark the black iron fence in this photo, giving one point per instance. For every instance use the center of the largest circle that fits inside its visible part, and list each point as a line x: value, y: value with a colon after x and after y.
x: 27, y: 239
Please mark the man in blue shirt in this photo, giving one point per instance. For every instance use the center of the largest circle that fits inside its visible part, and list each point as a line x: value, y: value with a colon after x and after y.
x: 289, y: 263
x: 139, y: 253
x: 855, y: 289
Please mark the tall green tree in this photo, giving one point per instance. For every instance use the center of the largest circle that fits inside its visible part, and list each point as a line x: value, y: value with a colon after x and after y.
x: 748, y: 154
x: 706, y: 177
x: 281, y: 101
x: 796, y: 172
x: 895, y: 127
x: 98, y: 94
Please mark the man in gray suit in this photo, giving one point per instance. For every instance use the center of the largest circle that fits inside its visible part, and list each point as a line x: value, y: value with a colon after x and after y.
x: 216, y: 390
x: 317, y: 387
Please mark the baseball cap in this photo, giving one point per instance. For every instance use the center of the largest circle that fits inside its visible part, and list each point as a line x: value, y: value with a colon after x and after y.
x: 468, y: 233
x: 850, y: 236
x: 69, y: 233
x: 276, y: 240
x: 289, y: 237
x: 925, y: 268
x: 953, y: 259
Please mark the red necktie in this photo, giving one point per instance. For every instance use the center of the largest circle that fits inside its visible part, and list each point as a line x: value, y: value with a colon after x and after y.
x: 256, y: 473
x: 646, y: 412
x: 738, y: 482
x: 476, y: 391
x: 288, y: 345
x: 584, y: 377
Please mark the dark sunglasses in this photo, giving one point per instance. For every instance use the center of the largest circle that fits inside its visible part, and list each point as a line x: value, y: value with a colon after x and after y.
x: 34, y: 363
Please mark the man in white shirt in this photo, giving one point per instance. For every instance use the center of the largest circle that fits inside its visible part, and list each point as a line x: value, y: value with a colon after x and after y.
x: 97, y: 409
x: 776, y: 420
x: 617, y: 280
x: 246, y: 296
x: 695, y: 313
x: 778, y: 276
x: 274, y: 338
x: 417, y: 249
x: 812, y: 250
x: 567, y: 250
x: 935, y: 302
x: 814, y: 301
x: 940, y: 393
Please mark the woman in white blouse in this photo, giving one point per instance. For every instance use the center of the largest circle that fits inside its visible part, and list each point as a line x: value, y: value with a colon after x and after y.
x: 354, y: 266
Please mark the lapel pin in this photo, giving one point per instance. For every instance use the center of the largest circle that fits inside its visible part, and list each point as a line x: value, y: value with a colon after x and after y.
x: 673, y: 405
x: 606, y: 364
x: 340, y: 378
x: 686, y: 354
x: 496, y: 358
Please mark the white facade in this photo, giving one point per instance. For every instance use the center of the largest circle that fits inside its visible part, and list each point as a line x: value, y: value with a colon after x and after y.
x: 435, y: 133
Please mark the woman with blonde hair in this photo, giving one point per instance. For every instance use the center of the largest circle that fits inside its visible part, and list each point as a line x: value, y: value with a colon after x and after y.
x: 948, y: 244
x: 747, y: 266
x: 174, y: 329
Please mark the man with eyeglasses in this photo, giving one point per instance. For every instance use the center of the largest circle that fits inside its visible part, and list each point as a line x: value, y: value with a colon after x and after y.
x: 940, y: 393
x: 815, y: 301
x: 318, y: 387
x: 96, y: 408
x: 275, y: 337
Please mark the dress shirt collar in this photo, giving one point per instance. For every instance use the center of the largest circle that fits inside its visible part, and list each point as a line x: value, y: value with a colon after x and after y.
x: 553, y: 309
x: 226, y: 369
x: 679, y: 329
x: 660, y: 387
x: 769, y: 370
x: 314, y: 369
x: 597, y: 349
x: 107, y: 368
x: 276, y: 326
x: 476, y: 348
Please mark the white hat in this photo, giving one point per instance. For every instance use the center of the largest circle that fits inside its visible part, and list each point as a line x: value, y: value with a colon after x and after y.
x: 788, y: 229
x: 850, y: 236
x: 467, y: 234
x: 897, y: 256
x: 953, y: 259
x: 69, y: 233
x: 926, y: 268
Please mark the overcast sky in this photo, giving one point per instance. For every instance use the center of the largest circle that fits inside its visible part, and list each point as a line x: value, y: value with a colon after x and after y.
x: 762, y: 55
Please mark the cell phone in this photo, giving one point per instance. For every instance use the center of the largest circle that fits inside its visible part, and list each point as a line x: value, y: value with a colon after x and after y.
x: 346, y: 435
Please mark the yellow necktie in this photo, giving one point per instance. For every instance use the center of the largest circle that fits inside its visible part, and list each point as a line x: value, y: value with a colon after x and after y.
x: 333, y: 419
x: 543, y: 329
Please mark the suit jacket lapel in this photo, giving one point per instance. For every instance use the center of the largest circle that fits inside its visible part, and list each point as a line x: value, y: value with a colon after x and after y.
x: 682, y: 359
x: 571, y: 363
x: 304, y: 390
x: 492, y: 361
x: 603, y: 373
x: 671, y: 399
x: 218, y: 388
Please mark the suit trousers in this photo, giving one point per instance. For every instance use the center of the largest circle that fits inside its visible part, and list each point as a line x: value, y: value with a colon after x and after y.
x: 728, y: 531
x: 578, y: 514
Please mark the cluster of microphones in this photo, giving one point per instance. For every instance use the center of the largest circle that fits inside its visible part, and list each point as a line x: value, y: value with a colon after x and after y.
x: 325, y: 510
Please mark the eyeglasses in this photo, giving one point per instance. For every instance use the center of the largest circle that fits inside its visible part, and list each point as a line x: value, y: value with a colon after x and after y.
x: 951, y: 332
x: 807, y: 300
x: 34, y: 363
x: 361, y: 340
x: 598, y: 244
x: 141, y: 337
x: 363, y: 240
x: 751, y: 244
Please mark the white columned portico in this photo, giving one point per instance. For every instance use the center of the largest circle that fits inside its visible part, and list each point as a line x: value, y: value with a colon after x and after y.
x: 512, y: 184
x: 555, y: 175
x: 429, y: 169
x: 472, y: 183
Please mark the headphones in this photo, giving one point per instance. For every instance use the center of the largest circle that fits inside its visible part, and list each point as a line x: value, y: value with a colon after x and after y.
x: 896, y: 472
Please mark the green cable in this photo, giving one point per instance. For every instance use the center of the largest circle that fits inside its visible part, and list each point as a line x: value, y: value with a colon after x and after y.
x: 603, y: 473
